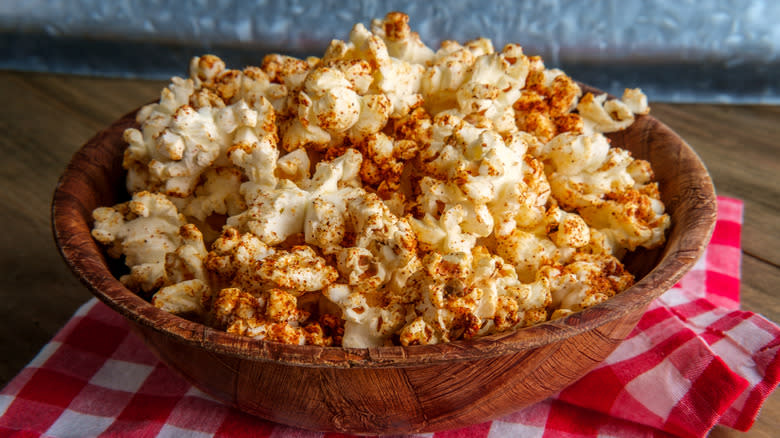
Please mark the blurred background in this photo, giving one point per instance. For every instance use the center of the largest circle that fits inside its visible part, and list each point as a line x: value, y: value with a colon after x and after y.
x: 676, y: 50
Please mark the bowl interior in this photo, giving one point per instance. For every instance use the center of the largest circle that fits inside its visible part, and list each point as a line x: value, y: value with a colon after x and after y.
x: 95, y: 177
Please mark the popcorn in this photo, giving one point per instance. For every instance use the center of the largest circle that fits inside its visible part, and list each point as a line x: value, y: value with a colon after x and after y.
x: 466, y: 294
x: 365, y: 325
x: 279, y: 321
x: 183, y: 298
x: 602, y: 115
x: 494, y: 84
x: 174, y: 150
x: 449, y: 69
x: 610, y: 190
x: 145, y: 230
x: 326, y: 106
x: 401, y: 42
x: 276, y: 214
x: 233, y: 260
x: 586, y: 281
x: 219, y: 193
x: 298, y: 270
x: 186, y: 262
x: 544, y: 107
x: 386, y: 193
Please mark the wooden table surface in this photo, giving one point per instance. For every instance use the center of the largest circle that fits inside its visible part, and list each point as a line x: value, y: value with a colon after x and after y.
x: 45, y: 118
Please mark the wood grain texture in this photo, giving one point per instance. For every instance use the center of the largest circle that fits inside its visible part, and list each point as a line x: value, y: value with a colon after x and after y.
x: 391, y: 389
x: 46, y: 118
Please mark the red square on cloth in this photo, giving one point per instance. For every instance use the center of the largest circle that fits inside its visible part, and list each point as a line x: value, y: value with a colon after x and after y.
x: 74, y: 362
x: 148, y: 408
x: 95, y: 336
x: 563, y: 422
x: 29, y: 416
x: 51, y: 387
x: 164, y: 383
x: 476, y: 431
x: 240, y: 424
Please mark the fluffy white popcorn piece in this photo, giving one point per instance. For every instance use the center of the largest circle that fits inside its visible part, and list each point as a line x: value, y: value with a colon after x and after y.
x: 335, y: 106
x: 173, y: 158
x: 364, y: 325
x: 571, y: 154
x: 287, y: 70
x: 396, y: 78
x: 588, y: 280
x: 357, y: 71
x: 194, y: 124
x: 400, y: 82
x: 324, y: 225
x: 183, y: 298
x: 219, y: 193
x: 520, y: 203
x: 187, y: 261
x: 610, y: 190
x: 374, y: 114
x: 276, y: 214
x: 254, y: 147
x: 445, y: 234
x: 294, y: 166
x: 629, y: 219
x: 401, y: 42
x: 234, y: 259
x: 584, y: 168
x: 376, y: 263
x: 602, y: 115
x: 449, y: 69
x: 256, y: 86
x: 299, y: 270
x: 567, y: 230
x: 390, y: 240
x: 144, y: 230
x: 326, y: 106
x: 468, y: 294
x: 635, y: 100
x: 154, y: 118
x: 551, y: 241
x: 528, y: 250
x: 217, y: 86
x: 478, y: 181
x: 273, y: 317
x: 494, y: 84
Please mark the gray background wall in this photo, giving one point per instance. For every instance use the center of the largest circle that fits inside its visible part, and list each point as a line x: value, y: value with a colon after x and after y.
x: 676, y: 50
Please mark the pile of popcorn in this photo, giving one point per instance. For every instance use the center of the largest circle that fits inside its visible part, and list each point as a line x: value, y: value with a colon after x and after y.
x: 383, y: 194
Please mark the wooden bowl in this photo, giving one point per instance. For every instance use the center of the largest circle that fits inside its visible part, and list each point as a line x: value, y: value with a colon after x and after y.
x: 388, y: 390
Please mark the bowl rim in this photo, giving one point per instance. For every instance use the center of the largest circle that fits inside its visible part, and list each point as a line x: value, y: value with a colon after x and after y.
x: 71, y: 225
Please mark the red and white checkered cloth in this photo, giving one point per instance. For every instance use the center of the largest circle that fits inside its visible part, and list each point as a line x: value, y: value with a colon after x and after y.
x: 693, y: 361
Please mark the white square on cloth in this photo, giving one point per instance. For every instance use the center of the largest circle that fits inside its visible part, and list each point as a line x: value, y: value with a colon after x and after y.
x: 122, y: 376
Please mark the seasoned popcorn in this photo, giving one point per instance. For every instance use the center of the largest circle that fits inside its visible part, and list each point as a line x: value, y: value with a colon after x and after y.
x: 384, y: 194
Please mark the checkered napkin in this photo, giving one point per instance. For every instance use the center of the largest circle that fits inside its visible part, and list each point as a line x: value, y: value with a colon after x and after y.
x: 693, y: 361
